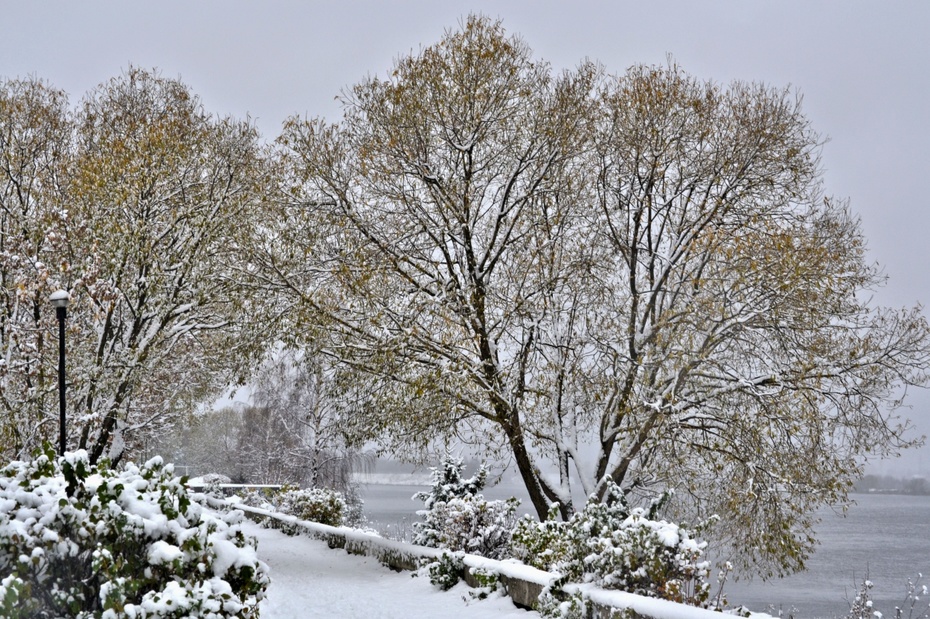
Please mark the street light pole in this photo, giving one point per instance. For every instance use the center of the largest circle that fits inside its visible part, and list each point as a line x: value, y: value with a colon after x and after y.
x: 60, y: 300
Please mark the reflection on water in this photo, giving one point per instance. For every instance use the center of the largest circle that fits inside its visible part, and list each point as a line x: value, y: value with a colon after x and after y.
x: 884, y: 536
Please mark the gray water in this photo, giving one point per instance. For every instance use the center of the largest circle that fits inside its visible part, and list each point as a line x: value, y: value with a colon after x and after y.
x: 884, y: 537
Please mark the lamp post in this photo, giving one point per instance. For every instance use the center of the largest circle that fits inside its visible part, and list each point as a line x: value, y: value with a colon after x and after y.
x: 60, y: 300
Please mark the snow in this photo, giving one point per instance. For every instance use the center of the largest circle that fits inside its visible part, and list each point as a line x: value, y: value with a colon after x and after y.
x: 161, y: 552
x: 650, y: 607
x: 308, y: 580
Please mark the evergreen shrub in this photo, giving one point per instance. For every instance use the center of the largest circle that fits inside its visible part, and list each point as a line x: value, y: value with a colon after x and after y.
x: 457, y: 518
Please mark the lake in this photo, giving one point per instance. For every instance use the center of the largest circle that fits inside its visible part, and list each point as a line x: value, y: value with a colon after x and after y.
x: 884, y: 536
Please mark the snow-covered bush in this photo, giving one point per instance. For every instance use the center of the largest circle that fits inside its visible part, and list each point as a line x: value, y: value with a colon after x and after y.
x: 354, y: 513
x: 558, y: 605
x: 314, y: 504
x: 470, y: 524
x: 541, y: 544
x: 211, y: 483
x: 459, y: 519
x: 78, y: 540
x: 484, y: 582
x: 446, y: 571
x: 446, y: 482
x: 616, y: 547
x: 263, y: 498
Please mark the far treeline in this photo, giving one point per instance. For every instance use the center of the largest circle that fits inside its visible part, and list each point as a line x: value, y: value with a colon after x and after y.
x: 591, y: 276
x: 885, y: 484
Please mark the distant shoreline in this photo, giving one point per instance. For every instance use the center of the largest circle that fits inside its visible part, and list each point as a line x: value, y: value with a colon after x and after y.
x: 886, y: 484
x: 894, y: 491
x: 392, y: 479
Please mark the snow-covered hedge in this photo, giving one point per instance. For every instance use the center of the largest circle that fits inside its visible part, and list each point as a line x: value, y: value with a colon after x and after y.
x: 321, y: 505
x: 314, y: 504
x: 457, y: 518
x: 616, y: 547
x: 84, y: 541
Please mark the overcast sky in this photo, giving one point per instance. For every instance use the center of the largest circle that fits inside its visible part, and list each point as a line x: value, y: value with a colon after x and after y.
x: 863, y: 69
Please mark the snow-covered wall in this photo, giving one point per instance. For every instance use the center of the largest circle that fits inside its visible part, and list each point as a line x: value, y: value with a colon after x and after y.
x: 522, y: 583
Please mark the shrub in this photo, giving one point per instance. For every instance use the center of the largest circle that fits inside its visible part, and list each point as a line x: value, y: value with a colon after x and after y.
x: 314, y: 504
x: 470, y: 524
x: 616, y: 547
x: 354, y: 513
x: 447, y: 483
x: 459, y: 519
x: 485, y: 582
x: 85, y: 541
x: 541, y: 544
x: 263, y: 498
x: 558, y: 605
x: 446, y: 571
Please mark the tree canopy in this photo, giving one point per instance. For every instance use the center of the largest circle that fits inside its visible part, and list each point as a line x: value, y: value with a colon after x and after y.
x: 136, y: 203
x: 625, y: 279
x: 629, y: 277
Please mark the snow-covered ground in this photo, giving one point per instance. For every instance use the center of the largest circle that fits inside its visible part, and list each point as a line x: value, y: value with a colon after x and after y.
x: 308, y: 579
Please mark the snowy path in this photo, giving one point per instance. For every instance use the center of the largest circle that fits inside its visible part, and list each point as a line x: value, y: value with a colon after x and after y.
x: 310, y: 580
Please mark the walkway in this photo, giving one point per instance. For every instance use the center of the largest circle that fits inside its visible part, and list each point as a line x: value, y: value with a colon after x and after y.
x: 310, y: 580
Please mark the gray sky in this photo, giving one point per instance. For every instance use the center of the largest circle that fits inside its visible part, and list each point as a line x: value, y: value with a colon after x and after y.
x: 862, y: 67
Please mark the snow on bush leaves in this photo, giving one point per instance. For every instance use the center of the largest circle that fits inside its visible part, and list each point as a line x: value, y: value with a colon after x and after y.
x: 447, y: 483
x: 322, y: 505
x: 85, y: 541
x: 470, y: 524
x: 459, y: 519
x: 616, y: 547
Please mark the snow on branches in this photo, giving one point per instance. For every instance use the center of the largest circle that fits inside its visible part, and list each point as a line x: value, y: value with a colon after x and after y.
x: 81, y: 540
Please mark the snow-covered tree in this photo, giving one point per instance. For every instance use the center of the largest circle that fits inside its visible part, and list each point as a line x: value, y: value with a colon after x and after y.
x: 441, y: 206
x: 35, y: 136
x: 292, y: 431
x: 446, y: 482
x: 137, y: 204
x: 640, y: 267
x: 162, y: 194
x: 295, y: 420
x: 743, y: 364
